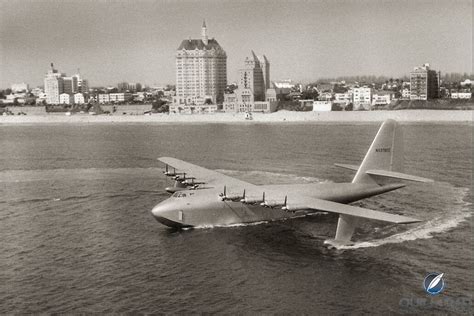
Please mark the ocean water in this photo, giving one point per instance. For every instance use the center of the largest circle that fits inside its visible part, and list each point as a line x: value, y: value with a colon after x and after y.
x: 77, y: 235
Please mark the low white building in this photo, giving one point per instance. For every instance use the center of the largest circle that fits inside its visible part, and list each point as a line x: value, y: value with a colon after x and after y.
x: 406, y: 93
x: 325, y: 96
x: 104, y: 98
x: 461, y: 95
x: 169, y: 93
x: 343, y: 98
x: 382, y: 97
x: 79, y: 98
x: 362, y: 98
x: 322, y: 106
x: 283, y: 87
x: 65, y: 98
x: 466, y: 82
x: 120, y: 97
x: 115, y: 97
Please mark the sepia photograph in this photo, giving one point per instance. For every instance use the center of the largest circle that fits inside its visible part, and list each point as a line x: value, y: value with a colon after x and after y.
x: 236, y: 157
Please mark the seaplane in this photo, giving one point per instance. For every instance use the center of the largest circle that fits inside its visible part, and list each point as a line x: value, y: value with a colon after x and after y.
x: 211, y: 199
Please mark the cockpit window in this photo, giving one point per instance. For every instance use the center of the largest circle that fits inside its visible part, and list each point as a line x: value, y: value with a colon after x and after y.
x: 179, y: 194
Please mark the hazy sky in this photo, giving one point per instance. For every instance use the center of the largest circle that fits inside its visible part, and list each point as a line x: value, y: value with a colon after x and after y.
x: 136, y: 41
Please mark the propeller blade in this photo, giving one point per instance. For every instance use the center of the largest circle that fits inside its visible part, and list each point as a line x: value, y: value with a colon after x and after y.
x: 264, y: 203
x: 243, y: 197
x: 285, y: 204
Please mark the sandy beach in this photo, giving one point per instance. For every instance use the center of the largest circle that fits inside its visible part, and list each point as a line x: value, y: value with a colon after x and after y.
x: 281, y: 116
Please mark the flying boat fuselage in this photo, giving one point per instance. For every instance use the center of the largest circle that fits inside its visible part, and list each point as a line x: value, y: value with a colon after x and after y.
x: 206, y: 208
x: 206, y: 198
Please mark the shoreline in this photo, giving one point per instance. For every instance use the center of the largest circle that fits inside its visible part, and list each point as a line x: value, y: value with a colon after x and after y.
x: 404, y: 116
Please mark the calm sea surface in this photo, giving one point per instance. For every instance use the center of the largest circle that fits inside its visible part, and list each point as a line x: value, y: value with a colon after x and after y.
x: 77, y: 235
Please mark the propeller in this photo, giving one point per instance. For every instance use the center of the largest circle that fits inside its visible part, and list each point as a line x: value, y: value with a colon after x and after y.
x: 264, y: 202
x: 223, y: 194
x: 243, y: 197
x: 177, y: 177
x: 253, y: 200
x: 232, y: 197
x: 168, y: 173
x: 285, y: 204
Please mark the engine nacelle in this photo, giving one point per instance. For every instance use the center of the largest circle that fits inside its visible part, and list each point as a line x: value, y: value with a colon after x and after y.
x: 251, y: 200
x: 231, y: 197
x: 272, y: 204
x: 294, y: 208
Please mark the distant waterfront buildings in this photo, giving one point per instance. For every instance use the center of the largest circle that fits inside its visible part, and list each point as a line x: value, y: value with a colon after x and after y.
x: 283, y: 87
x: 362, y: 98
x: 255, y: 76
x: 121, y: 97
x: 382, y: 98
x: 19, y: 87
x: 343, y: 98
x: 461, y: 95
x: 57, y: 84
x: 253, y: 93
x: 66, y: 98
x: 53, y: 85
x: 424, y: 83
x: 70, y: 85
x: 79, y: 98
x: 131, y: 87
x: 322, y: 106
x: 406, y: 93
x: 201, y: 72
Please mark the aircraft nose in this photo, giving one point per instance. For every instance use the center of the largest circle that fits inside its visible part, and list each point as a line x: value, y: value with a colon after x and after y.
x: 166, y: 214
x: 158, y: 210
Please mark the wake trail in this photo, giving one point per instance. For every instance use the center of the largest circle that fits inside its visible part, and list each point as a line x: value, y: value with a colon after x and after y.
x: 460, y: 212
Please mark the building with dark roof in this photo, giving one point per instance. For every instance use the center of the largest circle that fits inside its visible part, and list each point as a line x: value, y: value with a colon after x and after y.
x: 201, y: 71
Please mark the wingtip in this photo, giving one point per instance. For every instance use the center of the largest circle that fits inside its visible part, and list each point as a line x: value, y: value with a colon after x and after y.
x: 163, y: 159
x: 409, y: 221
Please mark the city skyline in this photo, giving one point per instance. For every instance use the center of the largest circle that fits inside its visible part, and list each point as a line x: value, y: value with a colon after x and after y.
x: 123, y: 41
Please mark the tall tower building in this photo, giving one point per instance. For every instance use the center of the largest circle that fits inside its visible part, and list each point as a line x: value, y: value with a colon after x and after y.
x: 201, y: 70
x: 253, y: 93
x: 53, y: 85
x: 255, y: 76
x: 56, y: 83
x: 424, y: 83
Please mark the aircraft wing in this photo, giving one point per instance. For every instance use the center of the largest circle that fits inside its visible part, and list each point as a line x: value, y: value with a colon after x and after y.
x: 345, y: 209
x: 210, y: 177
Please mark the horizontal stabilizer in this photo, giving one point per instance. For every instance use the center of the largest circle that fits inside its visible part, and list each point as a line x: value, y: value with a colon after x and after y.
x: 397, y: 175
x: 347, y: 166
x: 334, y: 207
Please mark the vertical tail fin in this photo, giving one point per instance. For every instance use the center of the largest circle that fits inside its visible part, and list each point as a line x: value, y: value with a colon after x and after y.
x: 384, y: 159
x: 385, y: 153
